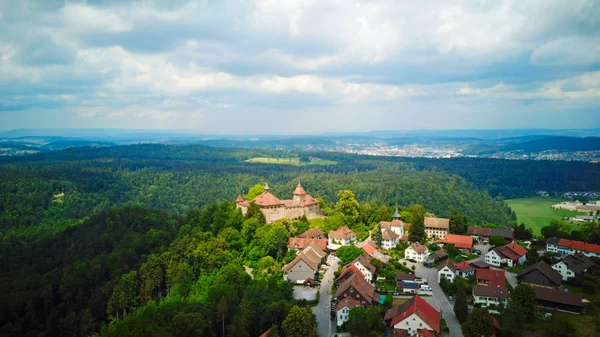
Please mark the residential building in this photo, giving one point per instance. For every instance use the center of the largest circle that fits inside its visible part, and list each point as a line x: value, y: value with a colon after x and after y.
x: 490, y: 297
x: 511, y: 255
x: 389, y: 239
x: 274, y: 209
x: 304, y: 266
x: 459, y: 241
x: 371, y: 249
x: 348, y: 271
x: 343, y: 236
x: 570, y: 247
x: 298, y: 243
x: 446, y: 270
x: 413, y: 315
x: 554, y: 299
x: 464, y: 269
x: 343, y: 308
x: 540, y: 275
x: 574, y: 265
x: 400, y: 277
x: 417, y: 252
x: 552, y: 245
x: 479, y: 265
x: 356, y: 287
x: 366, y: 268
x: 436, y: 228
x: 313, y: 233
x: 408, y: 287
x: 491, y: 277
x: 484, y: 234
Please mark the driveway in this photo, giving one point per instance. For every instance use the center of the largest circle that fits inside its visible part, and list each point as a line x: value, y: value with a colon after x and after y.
x: 442, y: 303
x: 323, y: 309
x: 305, y: 293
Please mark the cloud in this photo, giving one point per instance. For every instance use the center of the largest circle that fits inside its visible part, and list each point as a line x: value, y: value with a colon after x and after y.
x: 569, y: 51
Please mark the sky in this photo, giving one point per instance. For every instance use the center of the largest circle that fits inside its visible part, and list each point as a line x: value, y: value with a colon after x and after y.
x: 299, y: 67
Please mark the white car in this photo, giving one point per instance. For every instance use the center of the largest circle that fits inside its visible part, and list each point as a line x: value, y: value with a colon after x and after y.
x: 425, y: 287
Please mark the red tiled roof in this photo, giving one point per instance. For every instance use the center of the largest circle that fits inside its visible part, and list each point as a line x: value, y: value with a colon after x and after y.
x: 299, y: 190
x: 463, y: 265
x: 311, y: 233
x: 370, y: 248
x: 579, y: 245
x: 301, y: 243
x: 267, y: 199
x: 389, y: 235
x: 390, y: 224
x: 447, y: 263
x: 515, y: 247
x: 347, y: 302
x: 342, y: 233
x: 424, y: 333
x: 361, y: 286
x: 498, y: 292
x: 351, y: 269
x: 437, y: 222
x: 419, y: 248
x: 365, y: 261
x: 506, y: 253
x: 494, y: 278
x: 310, y: 258
x: 459, y: 241
x: 415, y: 305
x: 239, y: 198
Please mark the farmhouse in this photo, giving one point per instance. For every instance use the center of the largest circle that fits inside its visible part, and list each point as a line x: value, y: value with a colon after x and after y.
x: 417, y: 252
x: 559, y: 300
x: 459, y: 241
x: 511, y: 255
x: 464, y: 269
x: 371, y: 249
x: 366, y: 268
x: 274, y: 209
x: 540, y: 275
x: 574, y: 265
x: 490, y: 297
x: 447, y: 270
x: 356, y: 287
x: 343, y: 309
x: 299, y: 244
x: 313, y: 233
x: 436, y: 228
x: 413, y: 315
x: 491, y: 277
x: 484, y: 234
x: 389, y: 239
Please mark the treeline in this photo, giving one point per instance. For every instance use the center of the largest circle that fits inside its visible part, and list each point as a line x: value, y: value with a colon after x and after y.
x: 180, y: 178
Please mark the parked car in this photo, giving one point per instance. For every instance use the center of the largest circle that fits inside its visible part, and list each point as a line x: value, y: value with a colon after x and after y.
x: 427, y: 265
x: 450, y: 298
x: 425, y: 287
x: 412, y: 260
x: 477, y: 252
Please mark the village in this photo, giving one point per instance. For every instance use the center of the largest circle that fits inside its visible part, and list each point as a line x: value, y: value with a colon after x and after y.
x: 424, y: 283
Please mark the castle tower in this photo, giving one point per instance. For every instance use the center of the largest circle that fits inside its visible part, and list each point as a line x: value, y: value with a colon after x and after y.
x: 266, y: 187
x: 299, y: 193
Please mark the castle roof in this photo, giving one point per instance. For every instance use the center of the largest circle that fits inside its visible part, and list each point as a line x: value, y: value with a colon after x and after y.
x: 239, y: 199
x: 267, y: 199
x: 299, y: 190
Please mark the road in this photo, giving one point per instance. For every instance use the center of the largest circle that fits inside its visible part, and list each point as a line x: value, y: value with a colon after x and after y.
x: 322, y: 310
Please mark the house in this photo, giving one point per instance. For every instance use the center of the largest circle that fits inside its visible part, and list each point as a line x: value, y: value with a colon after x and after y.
x: 274, y: 209
x: 408, y: 287
x: 366, y: 268
x: 511, y: 255
x: 459, y: 241
x: 389, y: 239
x: 348, y: 271
x: 436, y: 228
x: 484, y: 234
x: 440, y: 255
x: 479, y: 265
x: 584, y: 218
x: 491, y: 277
x: 464, y: 269
x: 559, y: 300
x: 305, y: 265
x: 552, y: 245
x: 574, y: 265
x: 447, y: 270
x: 357, y: 288
x: 570, y: 247
x: 417, y: 252
x: 490, y: 297
x: 400, y: 277
x: 343, y: 236
x: 540, y: 275
x: 413, y: 315
x: 396, y: 225
x: 313, y: 233
x: 298, y: 243
x: 371, y: 249
x: 343, y: 308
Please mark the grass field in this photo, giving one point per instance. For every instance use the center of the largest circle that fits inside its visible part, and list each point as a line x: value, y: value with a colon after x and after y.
x: 316, y: 222
x: 290, y: 161
x: 537, y: 212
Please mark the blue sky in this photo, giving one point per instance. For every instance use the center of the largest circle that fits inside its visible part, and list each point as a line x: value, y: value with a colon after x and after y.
x: 279, y: 66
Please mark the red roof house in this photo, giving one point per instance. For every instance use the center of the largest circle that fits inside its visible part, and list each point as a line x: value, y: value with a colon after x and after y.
x: 459, y: 241
x: 414, y: 312
x: 491, y: 277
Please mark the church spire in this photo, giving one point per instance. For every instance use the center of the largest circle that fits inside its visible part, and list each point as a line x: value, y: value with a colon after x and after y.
x: 396, y: 214
x: 266, y: 187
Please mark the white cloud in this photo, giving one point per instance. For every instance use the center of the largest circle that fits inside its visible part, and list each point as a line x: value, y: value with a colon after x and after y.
x: 84, y: 18
x: 570, y: 51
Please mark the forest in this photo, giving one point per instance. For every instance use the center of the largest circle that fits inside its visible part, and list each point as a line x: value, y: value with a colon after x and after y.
x: 144, y: 240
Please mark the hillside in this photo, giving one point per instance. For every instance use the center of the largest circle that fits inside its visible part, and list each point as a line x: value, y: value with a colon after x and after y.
x: 557, y: 143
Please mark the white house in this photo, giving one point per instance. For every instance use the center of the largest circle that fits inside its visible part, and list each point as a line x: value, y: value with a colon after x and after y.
x: 417, y: 252
x: 492, y: 297
x: 511, y: 254
x: 389, y: 239
x: 412, y: 315
x: 343, y: 236
x: 447, y: 270
x: 343, y: 309
x: 396, y: 225
x: 573, y: 265
x: 365, y: 267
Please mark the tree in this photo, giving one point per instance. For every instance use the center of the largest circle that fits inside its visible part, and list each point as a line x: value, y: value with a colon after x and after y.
x: 480, y: 323
x: 417, y: 227
x: 255, y: 191
x: 460, y: 306
x: 189, y: 325
x: 347, y: 204
x: 458, y: 222
x: 300, y: 322
x: 513, y: 321
x: 254, y: 212
x: 357, y: 322
x: 556, y: 229
x: 524, y: 296
x: 451, y: 251
x: 378, y: 236
x: 497, y: 240
x: 559, y: 326
x: 348, y: 253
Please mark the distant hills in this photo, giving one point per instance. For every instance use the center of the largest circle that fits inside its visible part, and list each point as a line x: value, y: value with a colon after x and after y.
x: 568, y: 144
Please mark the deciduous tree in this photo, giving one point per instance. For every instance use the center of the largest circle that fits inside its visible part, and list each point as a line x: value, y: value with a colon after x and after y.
x: 300, y: 322
x: 480, y: 323
x: 524, y: 296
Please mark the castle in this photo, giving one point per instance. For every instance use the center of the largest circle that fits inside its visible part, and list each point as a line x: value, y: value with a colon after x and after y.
x: 274, y: 209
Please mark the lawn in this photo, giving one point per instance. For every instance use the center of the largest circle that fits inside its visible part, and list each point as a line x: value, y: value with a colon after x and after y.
x: 290, y: 161
x: 316, y: 223
x: 537, y: 212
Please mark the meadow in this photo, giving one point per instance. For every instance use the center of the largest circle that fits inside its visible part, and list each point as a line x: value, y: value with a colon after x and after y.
x: 537, y: 212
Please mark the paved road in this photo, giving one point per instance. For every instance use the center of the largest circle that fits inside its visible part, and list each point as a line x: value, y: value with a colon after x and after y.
x: 322, y: 310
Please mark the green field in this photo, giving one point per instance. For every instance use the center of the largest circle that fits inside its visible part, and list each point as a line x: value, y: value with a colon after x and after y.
x: 537, y: 212
x: 316, y: 223
x: 290, y: 161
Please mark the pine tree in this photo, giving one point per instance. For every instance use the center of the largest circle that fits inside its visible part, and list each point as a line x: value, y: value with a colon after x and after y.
x: 378, y: 236
x: 460, y: 306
